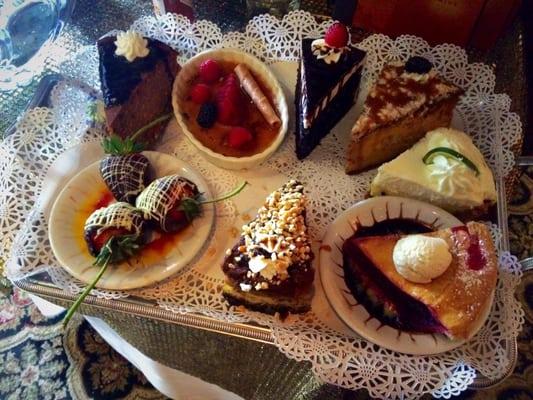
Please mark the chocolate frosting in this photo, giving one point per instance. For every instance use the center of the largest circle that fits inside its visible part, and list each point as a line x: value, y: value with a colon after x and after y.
x: 118, y: 76
x: 125, y: 175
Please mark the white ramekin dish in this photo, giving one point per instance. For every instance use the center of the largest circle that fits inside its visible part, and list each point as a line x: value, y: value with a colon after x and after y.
x: 189, y: 71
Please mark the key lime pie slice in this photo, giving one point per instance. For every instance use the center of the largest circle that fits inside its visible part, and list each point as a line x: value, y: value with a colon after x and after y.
x: 444, y: 168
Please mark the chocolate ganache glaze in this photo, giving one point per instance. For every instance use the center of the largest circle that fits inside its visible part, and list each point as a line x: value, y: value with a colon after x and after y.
x: 324, y: 93
x: 118, y: 76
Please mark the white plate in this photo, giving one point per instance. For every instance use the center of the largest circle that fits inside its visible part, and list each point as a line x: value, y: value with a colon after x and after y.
x: 367, y: 212
x: 78, y: 199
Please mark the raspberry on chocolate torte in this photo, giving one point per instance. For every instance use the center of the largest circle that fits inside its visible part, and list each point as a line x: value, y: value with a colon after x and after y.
x: 327, y: 82
x: 136, y: 77
x: 269, y: 269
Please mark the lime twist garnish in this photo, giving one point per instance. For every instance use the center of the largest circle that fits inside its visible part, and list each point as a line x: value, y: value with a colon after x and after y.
x: 449, y: 153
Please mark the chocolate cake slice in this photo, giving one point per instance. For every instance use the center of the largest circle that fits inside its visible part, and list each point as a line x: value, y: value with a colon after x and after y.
x: 325, y: 90
x: 269, y: 269
x: 450, y: 304
x: 136, y: 92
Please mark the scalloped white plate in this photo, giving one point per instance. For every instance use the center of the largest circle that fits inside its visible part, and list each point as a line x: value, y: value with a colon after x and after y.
x: 355, y: 315
x: 78, y: 199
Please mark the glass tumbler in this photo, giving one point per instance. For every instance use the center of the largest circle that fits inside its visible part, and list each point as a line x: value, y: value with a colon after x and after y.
x: 25, y: 27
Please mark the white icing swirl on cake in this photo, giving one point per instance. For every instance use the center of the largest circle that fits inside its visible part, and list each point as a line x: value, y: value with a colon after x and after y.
x: 323, y: 51
x: 451, y: 176
x: 131, y: 45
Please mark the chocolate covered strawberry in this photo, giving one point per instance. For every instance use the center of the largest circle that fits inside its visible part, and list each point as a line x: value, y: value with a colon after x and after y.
x: 161, y: 202
x: 172, y: 202
x: 125, y: 171
x: 113, y: 222
x: 125, y: 175
x: 113, y: 234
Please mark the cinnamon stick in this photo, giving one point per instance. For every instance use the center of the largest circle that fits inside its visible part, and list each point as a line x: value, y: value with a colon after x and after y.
x: 256, y: 94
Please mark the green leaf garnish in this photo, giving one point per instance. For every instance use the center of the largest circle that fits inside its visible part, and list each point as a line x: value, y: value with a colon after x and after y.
x: 95, y: 111
x: 449, y: 153
x: 117, y: 146
x: 192, y: 207
x: 115, y: 250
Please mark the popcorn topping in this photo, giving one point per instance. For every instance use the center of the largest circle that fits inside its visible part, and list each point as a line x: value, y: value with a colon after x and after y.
x: 277, y: 237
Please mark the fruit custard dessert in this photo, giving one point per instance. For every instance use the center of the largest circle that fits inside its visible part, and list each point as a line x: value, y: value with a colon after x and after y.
x: 229, y: 110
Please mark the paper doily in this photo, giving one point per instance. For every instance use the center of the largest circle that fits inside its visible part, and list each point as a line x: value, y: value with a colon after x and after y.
x: 338, y: 358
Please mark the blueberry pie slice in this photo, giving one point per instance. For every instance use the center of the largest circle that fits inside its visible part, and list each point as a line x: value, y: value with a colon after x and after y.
x: 437, y: 282
x: 406, y: 101
x: 269, y: 269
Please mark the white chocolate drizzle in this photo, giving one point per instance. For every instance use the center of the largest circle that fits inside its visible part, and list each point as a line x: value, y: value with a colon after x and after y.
x: 119, y: 215
x: 124, y: 175
x: 162, y: 195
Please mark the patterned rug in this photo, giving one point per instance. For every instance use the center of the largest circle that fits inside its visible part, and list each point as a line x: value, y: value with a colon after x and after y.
x: 38, y: 361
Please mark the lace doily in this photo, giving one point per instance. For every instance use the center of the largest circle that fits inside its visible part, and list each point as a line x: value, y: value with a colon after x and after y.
x: 44, y: 135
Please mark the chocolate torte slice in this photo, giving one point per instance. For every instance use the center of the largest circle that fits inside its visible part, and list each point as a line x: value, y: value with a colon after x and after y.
x: 450, y: 304
x: 270, y: 268
x: 406, y: 101
x: 136, y: 86
x: 327, y: 84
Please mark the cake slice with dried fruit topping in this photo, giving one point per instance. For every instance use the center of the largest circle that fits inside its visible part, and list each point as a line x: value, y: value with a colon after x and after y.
x: 327, y: 82
x: 270, y: 268
x: 406, y: 101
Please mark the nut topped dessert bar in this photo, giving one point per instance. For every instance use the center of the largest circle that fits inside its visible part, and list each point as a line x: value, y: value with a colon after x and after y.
x: 269, y: 269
